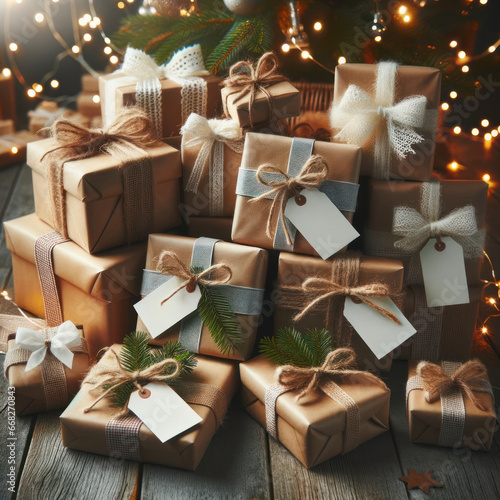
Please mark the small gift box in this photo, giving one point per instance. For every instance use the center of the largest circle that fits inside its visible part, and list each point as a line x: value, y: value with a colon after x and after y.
x: 210, y: 227
x: 442, y: 332
x: 253, y: 95
x: 390, y: 111
x: 230, y: 279
x: 211, y: 156
x: 47, y: 112
x: 450, y: 404
x: 283, y: 182
x: 46, y: 366
x: 7, y: 96
x: 316, y: 412
x: 116, y: 191
x: 56, y: 279
x: 13, y: 144
x: 168, y: 93
x: 97, y: 425
x: 355, y: 297
x: 408, y: 219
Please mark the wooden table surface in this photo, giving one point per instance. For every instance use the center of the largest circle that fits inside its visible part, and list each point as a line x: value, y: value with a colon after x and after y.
x: 242, y: 460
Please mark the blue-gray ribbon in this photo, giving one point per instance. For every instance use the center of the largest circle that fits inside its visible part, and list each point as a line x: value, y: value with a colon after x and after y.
x: 342, y: 194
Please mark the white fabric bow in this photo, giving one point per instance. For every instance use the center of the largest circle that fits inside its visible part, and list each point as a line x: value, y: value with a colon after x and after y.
x: 359, y: 115
x: 67, y: 336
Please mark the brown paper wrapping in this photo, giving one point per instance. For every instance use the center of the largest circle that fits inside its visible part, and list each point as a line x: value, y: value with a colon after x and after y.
x: 197, y: 204
x: 384, y: 197
x: 210, y: 227
x: 294, y: 269
x: 286, y: 103
x: 86, y: 105
x: 37, y: 124
x: 7, y: 98
x: 457, y: 325
x: 249, y: 268
x: 30, y: 397
x: 97, y: 292
x: 249, y: 226
x: 94, y: 195
x: 21, y: 139
x: 424, y: 418
x: 171, y: 100
x: 312, y: 428
x: 410, y: 80
x: 86, y: 432
x: 90, y: 83
x: 7, y: 127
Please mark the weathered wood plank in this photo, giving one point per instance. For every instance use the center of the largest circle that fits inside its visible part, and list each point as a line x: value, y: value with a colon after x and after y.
x: 235, y: 466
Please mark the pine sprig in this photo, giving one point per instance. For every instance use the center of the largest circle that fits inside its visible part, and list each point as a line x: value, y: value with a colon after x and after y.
x: 290, y: 347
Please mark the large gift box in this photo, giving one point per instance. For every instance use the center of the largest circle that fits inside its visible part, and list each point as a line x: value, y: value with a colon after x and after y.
x: 56, y: 279
x: 244, y: 290
x: 441, y: 413
x: 289, y: 156
x: 50, y: 384
x: 211, y: 227
x: 391, y: 111
x: 208, y: 391
x: 315, y: 427
x: 403, y: 216
x: 110, y: 201
x: 351, y: 271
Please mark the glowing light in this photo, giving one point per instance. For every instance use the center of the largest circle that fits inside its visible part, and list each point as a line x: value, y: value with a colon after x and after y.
x: 378, y: 38
x: 107, y: 40
x: 453, y: 94
x: 318, y: 26
x: 13, y: 46
x: 96, y: 21
x: 453, y: 44
x: 82, y: 21
x: 121, y: 5
x: 475, y: 131
x: 5, y: 295
x: 453, y: 165
x: 54, y: 84
x: 19, y: 1
x: 445, y: 106
x: 485, y: 122
x: 87, y: 37
x: 75, y: 49
x: 492, y: 301
x: 457, y: 130
x: 55, y: 1
x: 31, y: 93
x: 108, y: 50
x: 87, y: 18
x: 285, y: 47
x: 492, y: 49
x: 342, y: 60
x: 487, y: 137
x: 37, y: 87
x: 484, y: 329
x: 113, y: 60
x: 486, y: 177
x: 483, y: 2
x: 465, y: 69
x: 96, y: 99
x: 462, y: 54
x: 403, y: 9
x: 14, y: 150
x: 305, y: 54
x: 407, y: 19
x: 6, y: 72
x: 39, y: 17
x: 92, y: 24
x: 494, y: 132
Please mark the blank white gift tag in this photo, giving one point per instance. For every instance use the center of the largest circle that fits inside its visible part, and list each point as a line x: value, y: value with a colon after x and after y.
x: 163, y: 411
x: 380, y: 334
x: 159, y: 317
x: 443, y: 268
x: 320, y: 222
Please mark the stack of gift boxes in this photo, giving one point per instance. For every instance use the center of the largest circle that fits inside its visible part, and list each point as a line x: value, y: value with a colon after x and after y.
x: 98, y: 253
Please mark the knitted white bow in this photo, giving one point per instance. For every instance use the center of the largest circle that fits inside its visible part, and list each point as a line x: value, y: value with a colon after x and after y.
x: 67, y: 336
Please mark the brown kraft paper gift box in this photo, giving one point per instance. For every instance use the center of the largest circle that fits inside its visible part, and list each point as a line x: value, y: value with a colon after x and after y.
x: 210, y: 227
x: 312, y: 429
x: 87, y: 431
x: 248, y: 266
x: 410, y: 81
x: 294, y: 269
x: 425, y: 419
x: 30, y: 397
x: 97, y: 292
x: 249, y: 225
x: 384, y: 197
x: 89, y: 104
x: 94, y: 189
x: 46, y: 113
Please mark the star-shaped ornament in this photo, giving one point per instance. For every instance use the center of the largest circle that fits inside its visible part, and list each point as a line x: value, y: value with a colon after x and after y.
x: 422, y: 480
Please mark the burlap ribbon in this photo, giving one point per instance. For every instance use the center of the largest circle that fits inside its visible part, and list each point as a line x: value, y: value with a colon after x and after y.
x: 452, y: 383
x: 125, y: 139
x: 326, y: 378
x: 246, y: 80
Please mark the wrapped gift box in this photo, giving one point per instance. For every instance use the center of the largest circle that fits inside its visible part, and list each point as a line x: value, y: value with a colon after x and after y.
x: 210, y: 227
x: 89, y: 431
x: 89, y: 104
x: 13, y: 144
x: 97, y: 292
x: 313, y: 428
x: 47, y: 112
x: 95, y: 196
x: 248, y: 266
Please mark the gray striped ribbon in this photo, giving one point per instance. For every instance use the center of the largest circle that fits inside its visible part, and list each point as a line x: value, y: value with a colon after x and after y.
x: 342, y: 194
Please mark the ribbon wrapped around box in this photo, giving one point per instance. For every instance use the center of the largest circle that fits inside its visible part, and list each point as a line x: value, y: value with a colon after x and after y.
x: 208, y: 391
x: 390, y: 111
x: 318, y: 308
x: 450, y: 404
x: 289, y: 161
x: 13, y: 144
x: 47, y: 112
x: 341, y: 409
x: 107, y: 188
x: 403, y: 216
x: 56, y: 279
x: 46, y: 366
x: 211, y: 156
x: 211, y: 227
x: 168, y: 93
x: 244, y: 290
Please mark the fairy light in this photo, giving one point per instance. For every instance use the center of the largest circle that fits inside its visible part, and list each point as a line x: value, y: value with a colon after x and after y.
x: 484, y: 329
x: 485, y: 122
x: 14, y: 150
x: 120, y: 5
x: 92, y: 25
x: 494, y: 132
x: 96, y: 99
x: 39, y: 17
x: 378, y: 38
x: 492, y: 49
x: 453, y: 166
x: 486, y: 177
x: 87, y: 37
x: 285, y: 47
x: 6, y: 72
x: 96, y: 21
x: 5, y: 295
x: 445, y: 106
x: 54, y: 84
x: 87, y: 18
x: 318, y: 26
x: 475, y: 131
x: 453, y: 44
x: 487, y: 137
x: 31, y: 93
x: 465, y: 69
x: 19, y: 1
x: 75, y: 49
x: 492, y: 301
x: 113, y: 60
x: 108, y: 50
x: 13, y: 46
x: 453, y: 94
x: 483, y: 2
x: 305, y: 54
x: 462, y: 55
x: 107, y: 40
x: 37, y: 87
x: 82, y: 22
x: 403, y: 9
x: 407, y: 19
x: 457, y: 130
x: 342, y: 60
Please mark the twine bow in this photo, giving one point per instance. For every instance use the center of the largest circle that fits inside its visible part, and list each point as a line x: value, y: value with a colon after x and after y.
x: 246, y: 79
x: 169, y: 263
x: 311, y: 175
x: 469, y: 377
x: 101, y: 376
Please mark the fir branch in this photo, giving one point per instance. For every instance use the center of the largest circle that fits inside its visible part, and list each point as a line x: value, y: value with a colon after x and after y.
x: 135, y: 352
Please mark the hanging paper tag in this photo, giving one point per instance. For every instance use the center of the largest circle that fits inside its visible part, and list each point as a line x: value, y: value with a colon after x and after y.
x: 381, y: 334
x: 159, y: 317
x: 443, y: 268
x: 320, y: 222
x: 163, y: 411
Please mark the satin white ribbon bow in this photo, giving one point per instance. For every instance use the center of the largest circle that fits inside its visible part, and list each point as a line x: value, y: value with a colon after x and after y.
x: 67, y: 336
